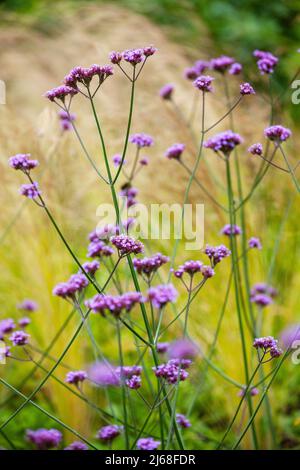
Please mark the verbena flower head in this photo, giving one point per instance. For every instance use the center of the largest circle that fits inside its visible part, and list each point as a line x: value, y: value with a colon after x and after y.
x: 189, y: 267
x: 6, y: 326
x: 207, y: 271
x: 84, y: 75
x: 114, y: 304
x: 217, y: 253
x: 235, y: 69
x: 144, y: 161
x: 147, y: 443
x: 66, y: 119
x: 30, y: 190
x: 91, y: 266
x: 141, y: 140
x: 77, y: 445
x: 75, y: 377
x: 183, y: 421
x: 128, y: 371
x: 117, y: 160
x: 99, y: 249
x: 253, y: 391
x: 221, y: 64
x: 229, y: 230
x: 167, y: 91
x: 200, y: 66
x: 23, y: 322
x: 266, y: 61
x: 277, y: 133
x: 262, y: 300
x: 19, y: 338
x: 256, y: 149
x: 190, y: 73
x: 134, y: 382
x: 103, y: 374
x: 203, y: 83
x: 115, y: 57
x: 75, y: 284
x: 269, y: 345
x: 183, y: 349
x: 44, y: 439
x: 130, y: 194
x: 22, y: 162
x: 162, y: 294
x: 289, y: 335
x: 127, y: 245
x: 173, y: 371
x: 254, y: 242
x: 224, y: 142
x: 60, y: 93
x: 263, y: 288
x: 28, y: 305
x: 109, y: 433
x: 149, y: 266
x: 175, y: 151
x: 162, y: 348
x: 133, y: 56
x: 246, y: 89
x: 149, y: 50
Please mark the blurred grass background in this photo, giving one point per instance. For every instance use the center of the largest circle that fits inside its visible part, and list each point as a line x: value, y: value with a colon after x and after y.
x: 41, y: 42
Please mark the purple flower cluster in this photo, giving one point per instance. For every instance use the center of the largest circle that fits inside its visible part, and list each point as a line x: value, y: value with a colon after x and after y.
x: 109, y: 433
x: 19, y: 338
x: 198, y: 68
x: 114, y: 304
x: 6, y: 326
x: 44, y: 439
x: 60, y: 93
x: 252, y: 392
x: 133, y: 56
x: 99, y: 249
x: 127, y: 245
x: 149, y: 266
x: 246, y: 89
x: 77, y: 445
x: 162, y: 294
x: 182, y: 349
x: 221, y: 64
x: 216, y: 253
x: 254, y: 242
x: 166, y: 91
x: 235, y: 69
x: 224, y: 142
x: 30, y: 190
x: 84, y: 75
x: 141, y: 140
x: 173, y: 371
x: 66, y: 119
x: 289, y: 335
x: 91, y: 267
x: 183, y: 421
x: 262, y: 294
x: 175, y: 151
x: 266, y: 62
x: 277, y: 133
x: 203, y: 83
x: 130, y: 194
x: 104, y: 374
x: 262, y: 300
x: 147, y: 443
x: 256, y: 149
x: 162, y: 348
x: 269, y: 345
x: 189, y: 267
x: 28, y: 305
x: 117, y: 159
x: 23, y: 322
x: 130, y: 375
x: 231, y: 230
x: 22, y: 162
x: 75, y: 284
x: 75, y: 377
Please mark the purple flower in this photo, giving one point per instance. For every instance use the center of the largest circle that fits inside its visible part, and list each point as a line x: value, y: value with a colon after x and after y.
x: 263, y: 288
x: 262, y: 300
x: 115, y: 57
x: 175, y: 151
x: 77, y: 445
x: 75, y: 377
x: 149, y: 50
x: 81, y: 75
x: 104, y: 374
x: 246, y: 89
x: 19, y: 338
x: 30, y: 190
x: 207, y: 271
x: 200, y: 66
x: 189, y: 267
x: 22, y: 162
x: 224, y: 142
x: 173, y: 371
x: 91, y: 266
x: 99, y: 249
x: 217, y: 253
x: 127, y: 245
x: 23, y: 322
x: 134, y: 382
x: 162, y: 294
x: 28, y: 305
x: 141, y: 140
x: 149, y: 266
x: 289, y: 335
x: 109, y: 433
x: 162, y: 348
x: 114, y: 304
x: 133, y: 56
x: 128, y: 371
x: 66, y: 119
x: 182, y: 421
x: 256, y: 149
x: 183, y: 349
x: 231, y: 230
x: 277, y: 133
x: 191, y: 73
x: 203, y: 83
x: 266, y: 61
x: 144, y: 161
x: 166, y: 91
x: 130, y: 194
x: 60, y: 93
x: 253, y: 392
x: 6, y: 326
x: 235, y: 69
x: 147, y: 443
x: 117, y: 160
x: 75, y: 284
x: 269, y: 345
x: 254, y: 242
x: 44, y: 439
x: 221, y: 64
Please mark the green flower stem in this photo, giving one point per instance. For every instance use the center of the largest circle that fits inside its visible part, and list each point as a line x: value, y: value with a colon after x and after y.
x: 291, y: 170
